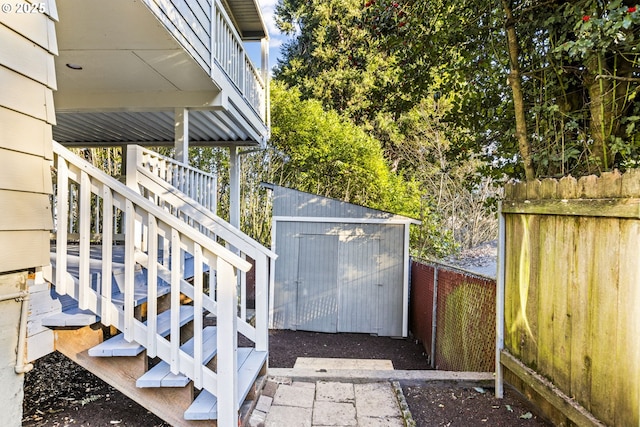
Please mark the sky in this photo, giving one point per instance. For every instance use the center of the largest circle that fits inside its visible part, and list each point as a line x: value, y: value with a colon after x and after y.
x: 275, y: 38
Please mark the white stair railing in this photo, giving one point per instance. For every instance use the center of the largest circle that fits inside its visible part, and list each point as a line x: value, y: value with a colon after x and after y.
x: 97, y: 189
x: 158, y: 188
x: 197, y: 184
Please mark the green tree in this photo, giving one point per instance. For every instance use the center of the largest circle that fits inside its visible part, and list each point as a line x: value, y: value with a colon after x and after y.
x: 323, y: 153
x: 341, y: 56
x: 549, y: 84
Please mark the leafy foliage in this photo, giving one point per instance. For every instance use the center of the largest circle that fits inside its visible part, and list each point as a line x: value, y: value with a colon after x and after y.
x: 359, y: 63
x: 576, y: 60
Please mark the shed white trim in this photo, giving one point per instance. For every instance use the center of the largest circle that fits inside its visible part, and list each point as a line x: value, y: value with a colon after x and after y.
x: 393, y: 220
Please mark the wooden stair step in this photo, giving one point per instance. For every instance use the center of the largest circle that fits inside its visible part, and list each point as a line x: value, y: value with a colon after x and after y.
x: 161, y: 375
x: 118, y: 346
x: 68, y: 314
x: 250, y: 362
x: 139, y: 286
x: 204, y: 407
x: 70, y: 317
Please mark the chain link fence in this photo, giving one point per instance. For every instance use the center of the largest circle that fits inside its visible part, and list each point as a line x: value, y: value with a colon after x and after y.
x: 453, y: 315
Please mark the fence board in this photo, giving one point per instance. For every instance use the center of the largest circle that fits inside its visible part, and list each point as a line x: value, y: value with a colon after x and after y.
x: 627, y: 395
x: 580, y: 341
x: 529, y: 291
x: 512, y: 301
x: 547, y: 266
x: 513, y: 317
x: 603, y: 310
x: 564, y: 258
x: 571, y: 287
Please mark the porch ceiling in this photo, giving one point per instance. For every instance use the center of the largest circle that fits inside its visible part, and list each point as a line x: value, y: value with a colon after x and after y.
x: 248, y: 18
x: 206, y: 128
x: 133, y: 76
x: 128, y: 59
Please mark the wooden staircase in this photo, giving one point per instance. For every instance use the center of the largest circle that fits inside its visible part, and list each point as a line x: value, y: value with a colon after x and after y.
x: 134, y: 312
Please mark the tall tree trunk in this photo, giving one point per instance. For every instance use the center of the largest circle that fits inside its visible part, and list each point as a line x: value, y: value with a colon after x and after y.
x: 601, y: 109
x: 515, y: 81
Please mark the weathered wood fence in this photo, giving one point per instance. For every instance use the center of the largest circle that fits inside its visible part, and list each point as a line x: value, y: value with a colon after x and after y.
x: 571, y: 286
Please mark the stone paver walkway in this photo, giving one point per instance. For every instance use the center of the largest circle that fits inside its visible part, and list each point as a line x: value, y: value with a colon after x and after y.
x: 286, y: 403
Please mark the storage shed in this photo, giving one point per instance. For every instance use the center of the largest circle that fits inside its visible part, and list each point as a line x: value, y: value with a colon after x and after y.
x: 340, y: 268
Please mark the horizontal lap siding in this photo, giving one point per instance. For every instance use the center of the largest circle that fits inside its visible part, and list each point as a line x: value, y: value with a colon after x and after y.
x: 190, y: 24
x: 572, y: 293
x: 27, y: 113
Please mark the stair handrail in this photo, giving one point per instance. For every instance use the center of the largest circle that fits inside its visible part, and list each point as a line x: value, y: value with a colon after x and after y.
x: 142, y: 215
x: 197, y: 215
x: 191, y: 208
x: 196, y: 183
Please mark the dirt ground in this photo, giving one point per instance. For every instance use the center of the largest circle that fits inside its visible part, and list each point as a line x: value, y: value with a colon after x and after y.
x: 60, y: 393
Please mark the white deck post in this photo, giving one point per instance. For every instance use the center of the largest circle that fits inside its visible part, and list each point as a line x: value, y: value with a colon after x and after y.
x: 181, y: 118
x: 234, y: 184
x: 84, y: 229
x: 227, y: 346
x: 132, y: 183
x: 62, y: 223
x: 262, y: 302
x: 265, y: 104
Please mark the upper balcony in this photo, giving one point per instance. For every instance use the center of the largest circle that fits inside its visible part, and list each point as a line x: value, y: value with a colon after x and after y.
x: 128, y: 69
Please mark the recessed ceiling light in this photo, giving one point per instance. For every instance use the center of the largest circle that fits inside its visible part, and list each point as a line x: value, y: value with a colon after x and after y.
x: 75, y: 66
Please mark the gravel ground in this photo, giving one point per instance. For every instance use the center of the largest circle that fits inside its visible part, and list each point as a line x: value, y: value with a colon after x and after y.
x: 60, y: 393
x: 482, y: 259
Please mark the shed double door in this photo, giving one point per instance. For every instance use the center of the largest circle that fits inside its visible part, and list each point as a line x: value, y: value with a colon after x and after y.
x: 338, y: 285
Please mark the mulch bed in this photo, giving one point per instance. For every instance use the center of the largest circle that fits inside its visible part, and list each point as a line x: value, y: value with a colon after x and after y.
x: 60, y: 393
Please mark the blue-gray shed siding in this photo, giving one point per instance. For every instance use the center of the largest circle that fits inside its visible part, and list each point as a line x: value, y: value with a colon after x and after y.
x: 368, y: 267
x: 288, y: 202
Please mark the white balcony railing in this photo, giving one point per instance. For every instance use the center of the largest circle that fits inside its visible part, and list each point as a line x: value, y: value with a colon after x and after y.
x: 195, y: 183
x: 207, y: 32
x: 230, y: 55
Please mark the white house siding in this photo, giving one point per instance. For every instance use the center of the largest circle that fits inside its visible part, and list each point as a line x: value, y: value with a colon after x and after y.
x: 26, y: 115
x: 27, y: 79
x: 190, y: 23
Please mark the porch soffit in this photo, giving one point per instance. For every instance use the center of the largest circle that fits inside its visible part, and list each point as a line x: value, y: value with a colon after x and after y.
x: 134, y: 73
x: 247, y: 17
x: 206, y: 128
x: 122, y: 48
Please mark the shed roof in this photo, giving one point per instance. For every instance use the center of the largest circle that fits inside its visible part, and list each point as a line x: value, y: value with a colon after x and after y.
x: 290, y: 203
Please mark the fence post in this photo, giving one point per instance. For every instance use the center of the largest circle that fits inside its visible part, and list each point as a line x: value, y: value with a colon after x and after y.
x: 500, y: 301
x: 434, y: 316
